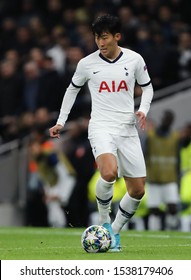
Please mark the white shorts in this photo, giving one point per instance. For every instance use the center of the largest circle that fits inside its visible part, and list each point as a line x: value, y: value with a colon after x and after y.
x: 162, y: 194
x: 127, y: 150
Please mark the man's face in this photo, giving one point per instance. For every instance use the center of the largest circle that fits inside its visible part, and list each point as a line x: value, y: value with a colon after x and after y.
x: 108, y: 44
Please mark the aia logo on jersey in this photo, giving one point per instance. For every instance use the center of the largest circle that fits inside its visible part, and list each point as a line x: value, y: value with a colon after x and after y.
x: 113, y: 86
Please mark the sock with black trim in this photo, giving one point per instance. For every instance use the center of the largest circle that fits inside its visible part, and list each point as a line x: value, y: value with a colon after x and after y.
x: 127, y: 208
x: 104, y: 194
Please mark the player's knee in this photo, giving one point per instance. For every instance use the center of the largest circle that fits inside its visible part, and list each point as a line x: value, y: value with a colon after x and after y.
x: 137, y: 193
x: 141, y: 193
x: 135, y: 187
x: 109, y: 175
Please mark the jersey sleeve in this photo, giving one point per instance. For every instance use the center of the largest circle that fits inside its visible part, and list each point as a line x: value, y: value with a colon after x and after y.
x: 141, y: 73
x: 147, y: 96
x: 143, y: 79
x: 80, y: 77
x: 78, y: 80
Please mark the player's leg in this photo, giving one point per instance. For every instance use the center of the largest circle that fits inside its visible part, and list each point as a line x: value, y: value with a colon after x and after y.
x: 128, y: 206
x: 185, y: 222
x: 154, y: 202
x: 172, y: 200
x: 107, y: 166
x: 172, y: 221
x: 129, y: 203
x: 104, y: 151
x: 132, y: 167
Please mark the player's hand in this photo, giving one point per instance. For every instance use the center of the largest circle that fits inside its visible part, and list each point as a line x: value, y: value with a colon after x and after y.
x: 55, y: 131
x: 141, y: 119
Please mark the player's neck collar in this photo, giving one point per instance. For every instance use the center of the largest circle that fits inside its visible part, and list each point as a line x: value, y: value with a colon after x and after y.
x: 111, y: 61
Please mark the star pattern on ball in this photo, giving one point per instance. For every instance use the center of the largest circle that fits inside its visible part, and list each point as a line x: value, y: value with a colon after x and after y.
x: 91, y: 236
x: 105, y: 243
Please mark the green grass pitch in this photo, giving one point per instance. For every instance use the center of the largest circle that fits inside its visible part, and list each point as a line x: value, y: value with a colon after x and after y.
x: 27, y: 243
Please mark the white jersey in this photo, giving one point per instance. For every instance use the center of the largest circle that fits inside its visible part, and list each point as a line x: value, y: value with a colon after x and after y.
x: 111, y: 85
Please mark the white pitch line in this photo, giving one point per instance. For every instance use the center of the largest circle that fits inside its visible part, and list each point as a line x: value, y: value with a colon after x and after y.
x: 61, y: 247
x: 163, y: 245
x: 37, y: 232
x: 75, y: 233
x: 158, y: 236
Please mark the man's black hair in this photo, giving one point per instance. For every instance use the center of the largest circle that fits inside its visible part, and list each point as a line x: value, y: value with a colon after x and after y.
x: 106, y: 23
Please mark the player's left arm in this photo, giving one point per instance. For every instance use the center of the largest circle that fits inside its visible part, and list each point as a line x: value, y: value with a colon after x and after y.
x: 144, y: 81
x: 147, y: 96
x: 141, y: 119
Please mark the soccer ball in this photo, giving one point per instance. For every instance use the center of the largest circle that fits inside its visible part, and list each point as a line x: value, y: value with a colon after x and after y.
x: 96, y: 239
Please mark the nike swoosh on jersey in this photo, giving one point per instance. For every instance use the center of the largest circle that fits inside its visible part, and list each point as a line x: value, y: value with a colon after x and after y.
x: 95, y: 72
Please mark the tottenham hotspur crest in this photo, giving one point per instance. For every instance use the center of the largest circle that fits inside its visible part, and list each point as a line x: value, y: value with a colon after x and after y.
x: 126, y: 69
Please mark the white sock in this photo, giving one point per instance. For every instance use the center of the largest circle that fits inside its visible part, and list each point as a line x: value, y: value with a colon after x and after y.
x: 154, y: 222
x: 127, y: 207
x: 171, y: 222
x: 104, y: 194
x: 139, y: 223
x: 185, y: 223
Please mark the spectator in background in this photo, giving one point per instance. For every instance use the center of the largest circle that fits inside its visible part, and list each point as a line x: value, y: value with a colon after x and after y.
x: 26, y: 123
x: 156, y: 56
x: 31, y: 86
x: 185, y: 179
x: 37, y: 55
x: 74, y: 54
x: 143, y: 40
x: 54, y: 172
x: 53, y: 13
x: 161, y: 152
x: 29, y: 120
x: 184, y: 55
x: 27, y: 11
x: 178, y: 60
x: 85, y: 39
x: 9, y: 129
x: 58, y: 49
x: 8, y: 33
x: 43, y: 118
x: 69, y: 23
x: 12, y: 55
x: 10, y: 90
x: 129, y: 26
x: 24, y: 41
x: 76, y: 147
x: 165, y: 19
x: 50, y: 89
x: 184, y: 8
x: 185, y: 150
x: 39, y: 31
x: 153, y: 8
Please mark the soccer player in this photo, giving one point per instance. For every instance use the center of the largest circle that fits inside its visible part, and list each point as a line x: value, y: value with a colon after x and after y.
x: 111, y: 73
x: 161, y: 154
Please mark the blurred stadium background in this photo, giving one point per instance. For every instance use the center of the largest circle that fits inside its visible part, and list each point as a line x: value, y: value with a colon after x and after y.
x: 41, y: 43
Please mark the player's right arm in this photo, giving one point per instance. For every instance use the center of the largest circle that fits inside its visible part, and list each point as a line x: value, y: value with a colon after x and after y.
x: 78, y: 81
x: 67, y: 103
x: 55, y: 131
